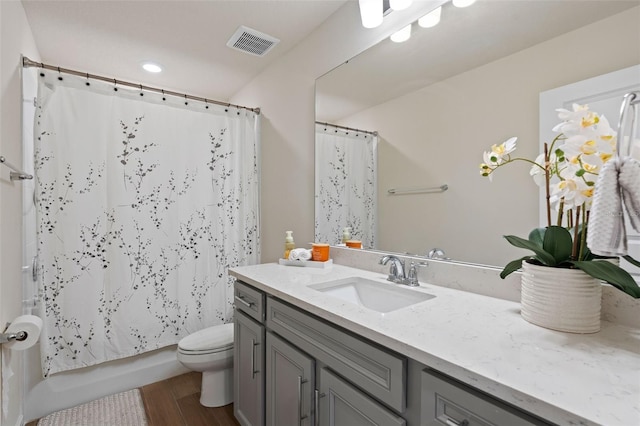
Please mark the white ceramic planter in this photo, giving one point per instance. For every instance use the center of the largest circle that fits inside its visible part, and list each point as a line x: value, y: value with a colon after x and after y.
x: 560, y: 299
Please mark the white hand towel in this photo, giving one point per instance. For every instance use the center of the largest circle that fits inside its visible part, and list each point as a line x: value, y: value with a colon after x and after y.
x: 617, y: 185
x: 606, y: 222
x: 305, y: 254
x: 629, y: 179
x: 300, y: 254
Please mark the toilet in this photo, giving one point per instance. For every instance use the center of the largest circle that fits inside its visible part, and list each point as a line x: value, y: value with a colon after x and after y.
x: 210, y: 351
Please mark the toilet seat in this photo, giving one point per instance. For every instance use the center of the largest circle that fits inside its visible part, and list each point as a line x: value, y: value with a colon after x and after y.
x: 210, y: 340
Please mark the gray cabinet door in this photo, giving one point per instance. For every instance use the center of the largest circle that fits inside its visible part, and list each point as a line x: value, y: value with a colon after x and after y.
x: 289, y: 385
x: 341, y: 404
x: 248, y: 371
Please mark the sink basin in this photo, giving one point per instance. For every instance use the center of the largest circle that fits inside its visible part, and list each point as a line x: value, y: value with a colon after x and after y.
x: 374, y: 295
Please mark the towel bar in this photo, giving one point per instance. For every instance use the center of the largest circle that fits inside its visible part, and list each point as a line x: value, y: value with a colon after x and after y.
x: 15, y: 173
x: 397, y: 191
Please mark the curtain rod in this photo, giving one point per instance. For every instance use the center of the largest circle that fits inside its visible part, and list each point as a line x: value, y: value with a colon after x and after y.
x: 26, y: 63
x: 374, y: 133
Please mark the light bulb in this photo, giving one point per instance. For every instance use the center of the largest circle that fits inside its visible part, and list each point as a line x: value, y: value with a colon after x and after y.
x: 402, y: 35
x: 399, y: 4
x: 463, y: 3
x: 370, y: 13
x: 431, y: 19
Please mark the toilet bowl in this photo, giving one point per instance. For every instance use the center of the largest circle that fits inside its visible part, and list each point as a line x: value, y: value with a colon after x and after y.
x: 210, y: 351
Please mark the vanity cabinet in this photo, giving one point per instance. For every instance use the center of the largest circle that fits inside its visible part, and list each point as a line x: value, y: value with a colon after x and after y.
x: 248, y: 356
x: 294, y: 368
x: 291, y: 368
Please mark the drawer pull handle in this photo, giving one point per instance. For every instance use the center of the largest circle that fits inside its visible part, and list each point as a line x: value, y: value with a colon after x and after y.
x: 253, y: 358
x: 453, y: 422
x: 300, y: 408
x: 244, y: 302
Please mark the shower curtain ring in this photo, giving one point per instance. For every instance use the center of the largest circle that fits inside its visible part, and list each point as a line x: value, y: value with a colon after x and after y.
x: 141, y: 94
x: 59, y: 76
x: 164, y: 98
x: 206, y: 106
x: 87, y: 83
x: 185, y: 99
x: 115, y: 85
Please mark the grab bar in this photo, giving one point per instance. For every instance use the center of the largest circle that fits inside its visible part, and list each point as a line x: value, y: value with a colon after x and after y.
x: 397, y: 191
x: 630, y: 103
x: 15, y: 174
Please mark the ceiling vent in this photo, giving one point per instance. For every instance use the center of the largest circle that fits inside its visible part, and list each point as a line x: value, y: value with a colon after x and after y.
x: 252, y: 41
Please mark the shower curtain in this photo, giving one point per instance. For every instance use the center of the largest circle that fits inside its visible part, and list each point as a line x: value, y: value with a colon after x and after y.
x: 142, y: 202
x: 345, y: 185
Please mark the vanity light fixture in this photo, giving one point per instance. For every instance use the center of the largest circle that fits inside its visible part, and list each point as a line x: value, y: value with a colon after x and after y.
x: 401, y: 35
x: 371, y: 13
x: 399, y: 4
x: 151, y: 67
x: 463, y: 3
x: 431, y: 19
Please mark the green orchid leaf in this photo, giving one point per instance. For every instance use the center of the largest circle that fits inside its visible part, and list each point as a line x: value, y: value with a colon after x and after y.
x: 544, y: 257
x: 512, y: 266
x: 537, y: 236
x: 631, y: 260
x: 613, y: 274
x: 558, y: 242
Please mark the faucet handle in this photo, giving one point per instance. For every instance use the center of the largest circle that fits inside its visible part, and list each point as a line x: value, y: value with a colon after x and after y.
x: 412, y: 276
x: 393, y: 273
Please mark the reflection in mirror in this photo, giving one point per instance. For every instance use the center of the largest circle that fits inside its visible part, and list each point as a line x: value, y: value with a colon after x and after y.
x: 345, y: 184
x: 441, y: 99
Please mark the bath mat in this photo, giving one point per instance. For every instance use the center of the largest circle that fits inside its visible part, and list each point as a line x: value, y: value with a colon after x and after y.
x: 120, y: 409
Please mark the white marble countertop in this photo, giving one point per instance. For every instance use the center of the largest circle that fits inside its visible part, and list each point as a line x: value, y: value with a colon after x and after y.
x: 568, y: 379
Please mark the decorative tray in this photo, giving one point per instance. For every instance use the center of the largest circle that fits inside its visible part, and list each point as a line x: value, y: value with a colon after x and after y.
x: 307, y: 263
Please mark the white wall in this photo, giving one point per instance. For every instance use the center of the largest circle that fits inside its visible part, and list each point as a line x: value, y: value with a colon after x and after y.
x: 285, y: 93
x: 15, y: 39
x: 437, y: 135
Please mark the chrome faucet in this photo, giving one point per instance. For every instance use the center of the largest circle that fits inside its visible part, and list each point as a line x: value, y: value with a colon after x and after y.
x: 437, y: 253
x: 396, y: 271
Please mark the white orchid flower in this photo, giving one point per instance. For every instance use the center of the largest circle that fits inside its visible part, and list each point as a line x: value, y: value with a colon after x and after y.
x: 537, y: 170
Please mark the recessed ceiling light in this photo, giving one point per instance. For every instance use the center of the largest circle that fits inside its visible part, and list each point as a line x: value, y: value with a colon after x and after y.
x: 151, y: 67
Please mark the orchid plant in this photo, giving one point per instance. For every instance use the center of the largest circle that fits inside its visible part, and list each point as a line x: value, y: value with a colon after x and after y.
x: 568, y: 169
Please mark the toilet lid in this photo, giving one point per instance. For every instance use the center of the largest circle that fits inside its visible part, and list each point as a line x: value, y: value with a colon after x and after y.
x: 216, y: 337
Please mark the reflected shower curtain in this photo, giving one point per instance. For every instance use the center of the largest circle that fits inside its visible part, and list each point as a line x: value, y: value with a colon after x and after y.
x: 345, y: 185
x: 142, y: 204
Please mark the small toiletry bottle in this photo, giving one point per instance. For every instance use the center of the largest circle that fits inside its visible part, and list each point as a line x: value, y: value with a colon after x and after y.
x: 346, y: 235
x: 289, y: 244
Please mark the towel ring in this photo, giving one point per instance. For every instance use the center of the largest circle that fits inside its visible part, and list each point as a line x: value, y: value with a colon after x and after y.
x: 630, y: 101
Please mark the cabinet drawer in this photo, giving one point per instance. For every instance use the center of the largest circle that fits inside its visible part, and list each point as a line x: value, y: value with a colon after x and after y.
x: 249, y: 300
x: 342, y: 404
x: 379, y: 372
x: 445, y: 402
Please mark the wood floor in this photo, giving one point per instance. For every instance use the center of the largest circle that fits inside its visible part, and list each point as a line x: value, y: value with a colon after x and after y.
x: 175, y: 402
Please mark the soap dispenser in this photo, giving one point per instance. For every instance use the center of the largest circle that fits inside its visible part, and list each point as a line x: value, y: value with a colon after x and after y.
x: 289, y: 244
x: 346, y: 234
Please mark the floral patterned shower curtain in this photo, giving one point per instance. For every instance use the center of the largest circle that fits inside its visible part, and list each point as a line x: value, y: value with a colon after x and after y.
x: 143, y: 201
x: 346, y: 185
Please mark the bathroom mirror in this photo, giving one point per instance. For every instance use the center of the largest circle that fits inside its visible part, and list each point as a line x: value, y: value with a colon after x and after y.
x: 442, y: 98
